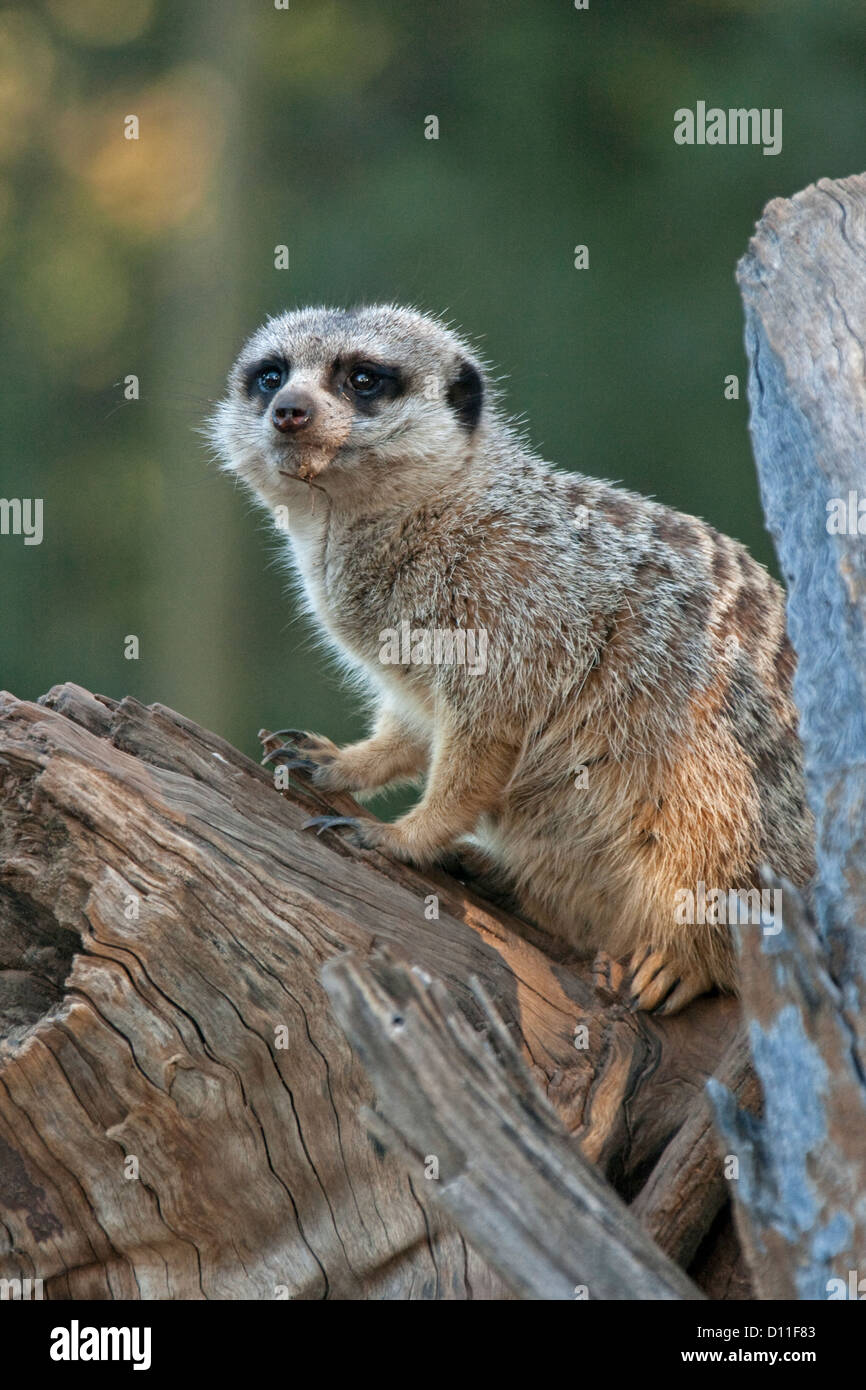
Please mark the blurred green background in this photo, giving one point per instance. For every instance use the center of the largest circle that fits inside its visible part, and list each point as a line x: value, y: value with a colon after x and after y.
x: 305, y: 127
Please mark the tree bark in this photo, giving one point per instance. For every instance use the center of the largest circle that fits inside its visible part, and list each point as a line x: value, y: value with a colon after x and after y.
x: 179, y: 1109
x: 803, y: 1166
x: 463, y: 1111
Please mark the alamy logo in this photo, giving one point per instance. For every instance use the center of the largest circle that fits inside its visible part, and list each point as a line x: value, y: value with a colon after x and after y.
x: 723, y: 907
x: 22, y: 516
x: 847, y: 517
x: 737, y: 126
x: 439, y: 646
x: 76, y: 1343
x: 20, y: 1290
x: 855, y: 1288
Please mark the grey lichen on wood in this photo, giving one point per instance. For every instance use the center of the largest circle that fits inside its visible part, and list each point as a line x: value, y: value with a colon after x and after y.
x: 802, y: 1167
x: 803, y: 283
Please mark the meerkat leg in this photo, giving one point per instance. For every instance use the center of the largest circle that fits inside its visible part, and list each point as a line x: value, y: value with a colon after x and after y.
x: 392, y: 753
x: 467, y: 778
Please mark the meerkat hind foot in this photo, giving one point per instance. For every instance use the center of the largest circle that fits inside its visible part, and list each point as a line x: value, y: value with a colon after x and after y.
x: 662, y: 984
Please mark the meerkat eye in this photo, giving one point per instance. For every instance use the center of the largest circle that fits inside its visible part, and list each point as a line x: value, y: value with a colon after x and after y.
x: 270, y: 378
x: 364, y: 381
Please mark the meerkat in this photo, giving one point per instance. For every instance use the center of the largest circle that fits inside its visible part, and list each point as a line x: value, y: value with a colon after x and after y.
x: 630, y: 735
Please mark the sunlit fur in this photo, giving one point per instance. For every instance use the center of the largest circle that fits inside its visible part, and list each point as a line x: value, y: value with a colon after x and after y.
x: 625, y: 639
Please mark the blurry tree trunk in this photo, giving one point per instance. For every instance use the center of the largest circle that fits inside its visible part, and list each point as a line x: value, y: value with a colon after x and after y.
x: 196, y: 578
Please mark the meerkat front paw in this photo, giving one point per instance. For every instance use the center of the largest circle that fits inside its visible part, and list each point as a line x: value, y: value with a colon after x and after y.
x: 366, y: 834
x: 663, y: 984
x: 408, y: 840
x: 318, y: 756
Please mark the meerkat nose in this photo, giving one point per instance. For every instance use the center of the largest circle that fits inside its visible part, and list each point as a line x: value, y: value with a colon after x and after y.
x: 292, y: 412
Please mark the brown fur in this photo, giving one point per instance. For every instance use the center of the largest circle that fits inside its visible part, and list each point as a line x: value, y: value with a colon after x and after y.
x: 638, y: 644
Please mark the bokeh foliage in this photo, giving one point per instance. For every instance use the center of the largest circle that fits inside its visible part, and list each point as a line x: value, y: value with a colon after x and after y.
x: 306, y: 127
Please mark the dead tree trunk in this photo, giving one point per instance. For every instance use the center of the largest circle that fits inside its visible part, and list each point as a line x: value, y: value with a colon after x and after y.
x: 803, y: 1167
x: 179, y: 1109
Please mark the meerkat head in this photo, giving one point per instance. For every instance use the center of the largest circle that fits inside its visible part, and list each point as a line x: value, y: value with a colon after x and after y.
x: 348, y: 399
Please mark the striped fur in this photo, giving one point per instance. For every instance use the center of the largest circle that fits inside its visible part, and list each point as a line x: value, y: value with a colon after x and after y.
x: 633, y: 734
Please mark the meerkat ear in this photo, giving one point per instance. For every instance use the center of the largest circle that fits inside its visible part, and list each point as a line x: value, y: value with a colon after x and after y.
x: 466, y: 395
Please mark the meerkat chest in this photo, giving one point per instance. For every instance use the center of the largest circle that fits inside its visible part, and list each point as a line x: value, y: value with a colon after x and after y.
x: 307, y: 533
x: 370, y: 582
x: 348, y: 582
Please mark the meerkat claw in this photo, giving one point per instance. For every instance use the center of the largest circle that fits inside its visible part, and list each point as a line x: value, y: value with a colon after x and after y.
x: 298, y: 764
x: 289, y: 757
x: 322, y: 823
x: 293, y: 734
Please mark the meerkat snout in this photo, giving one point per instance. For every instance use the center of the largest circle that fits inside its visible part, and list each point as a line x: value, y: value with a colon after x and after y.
x: 292, y: 411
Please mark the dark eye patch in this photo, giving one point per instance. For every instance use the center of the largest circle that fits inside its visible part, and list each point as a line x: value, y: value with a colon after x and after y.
x: 252, y: 374
x: 387, y: 382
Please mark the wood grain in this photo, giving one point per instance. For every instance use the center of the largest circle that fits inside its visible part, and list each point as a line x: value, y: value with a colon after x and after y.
x: 162, y: 916
x: 462, y: 1108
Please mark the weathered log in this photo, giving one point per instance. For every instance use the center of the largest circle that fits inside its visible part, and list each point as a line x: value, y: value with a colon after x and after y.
x: 676, y: 1213
x: 163, y: 923
x: 799, y: 1197
x: 462, y: 1109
